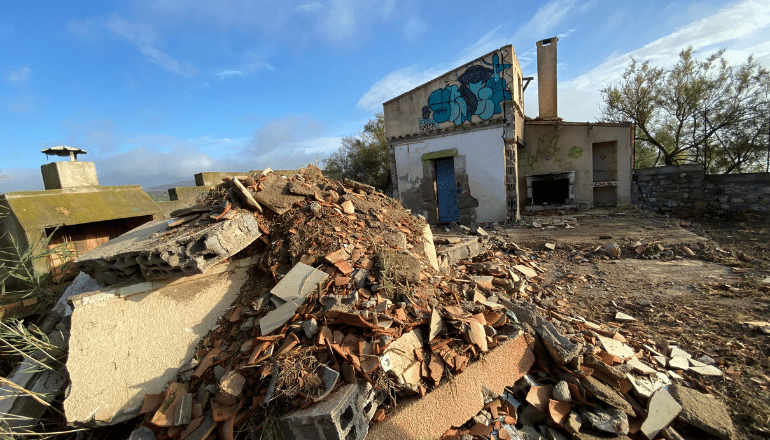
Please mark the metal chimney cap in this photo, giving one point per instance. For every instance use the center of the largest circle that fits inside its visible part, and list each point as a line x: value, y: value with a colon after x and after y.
x: 64, y: 151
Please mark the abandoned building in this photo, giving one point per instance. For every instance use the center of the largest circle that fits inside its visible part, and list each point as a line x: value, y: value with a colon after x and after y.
x: 461, y: 148
x: 72, y: 210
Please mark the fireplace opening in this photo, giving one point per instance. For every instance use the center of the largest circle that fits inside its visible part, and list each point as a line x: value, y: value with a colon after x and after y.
x: 550, y: 192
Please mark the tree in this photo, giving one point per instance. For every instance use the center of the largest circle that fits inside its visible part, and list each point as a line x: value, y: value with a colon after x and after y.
x: 696, y: 111
x: 363, y: 158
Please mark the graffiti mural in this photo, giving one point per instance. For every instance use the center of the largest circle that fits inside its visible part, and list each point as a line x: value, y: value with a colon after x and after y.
x: 548, y: 149
x: 480, y: 91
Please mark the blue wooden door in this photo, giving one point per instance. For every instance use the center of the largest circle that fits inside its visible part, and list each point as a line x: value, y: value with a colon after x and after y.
x: 446, y: 189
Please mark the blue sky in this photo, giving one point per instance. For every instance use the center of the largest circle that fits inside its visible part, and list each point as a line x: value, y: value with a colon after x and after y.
x: 158, y: 91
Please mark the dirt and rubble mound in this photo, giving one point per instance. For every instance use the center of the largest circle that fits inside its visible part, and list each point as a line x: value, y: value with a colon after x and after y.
x: 348, y: 326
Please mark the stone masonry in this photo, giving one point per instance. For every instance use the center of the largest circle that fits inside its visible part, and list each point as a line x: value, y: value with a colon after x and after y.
x: 687, y: 191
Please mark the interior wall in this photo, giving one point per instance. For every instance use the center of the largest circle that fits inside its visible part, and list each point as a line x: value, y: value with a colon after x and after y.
x: 483, y: 154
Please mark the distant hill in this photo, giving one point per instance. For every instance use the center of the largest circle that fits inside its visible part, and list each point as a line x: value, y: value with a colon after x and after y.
x: 166, y: 186
x: 160, y: 193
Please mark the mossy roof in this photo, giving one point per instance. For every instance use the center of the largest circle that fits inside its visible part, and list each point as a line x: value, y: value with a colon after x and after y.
x: 74, y: 206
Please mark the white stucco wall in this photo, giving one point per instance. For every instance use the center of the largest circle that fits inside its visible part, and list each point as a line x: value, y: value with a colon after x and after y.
x: 484, y: 153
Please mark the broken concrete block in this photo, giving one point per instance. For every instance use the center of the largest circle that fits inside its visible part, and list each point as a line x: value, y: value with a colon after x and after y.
x: 640, y: 366
x: 359, y: 186
x: 661, y: 411
x: 359, y: 277
x: 122, y: 349
x: 278, y: 317
x: 453, y: 403
x: 151, y: 252
x: 464, y: 250
x: 298, y: 283
x: 429, y: 248
x: 525, y: 270
x: 275, y: 195
x: 610, y: 420
x: 678, y: 363
x: 622, y: 317
x: 342, y: 415
x: 561, y: 349
x: 706, y: 370
x: 607, y: 394
x: 646, y: 385
x: 703, y: 411
x: 675, y: 351
x: 399, y: 356
x: 615, y: 348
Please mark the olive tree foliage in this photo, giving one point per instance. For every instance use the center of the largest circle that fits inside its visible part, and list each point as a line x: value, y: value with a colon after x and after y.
x: 363, y: 158
x: 697, y: 111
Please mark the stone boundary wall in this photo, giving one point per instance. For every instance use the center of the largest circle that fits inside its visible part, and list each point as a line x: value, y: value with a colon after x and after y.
x: 672, y: 189
x: 738, y: 192
x: 686, y: 190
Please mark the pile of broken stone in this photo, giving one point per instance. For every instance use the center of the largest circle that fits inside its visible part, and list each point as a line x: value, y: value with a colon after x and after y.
x: 348, y: 326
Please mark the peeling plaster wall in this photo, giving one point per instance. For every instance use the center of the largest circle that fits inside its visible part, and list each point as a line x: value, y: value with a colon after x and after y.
x: 567, y: 146
x: 483, y: 154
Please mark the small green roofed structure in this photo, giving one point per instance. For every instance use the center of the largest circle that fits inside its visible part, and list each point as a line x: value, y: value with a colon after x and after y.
x: 73, y: 211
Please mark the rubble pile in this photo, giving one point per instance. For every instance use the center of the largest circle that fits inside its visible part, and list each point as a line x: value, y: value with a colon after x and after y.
x: 349, y: 314
x: 345, y: 291
x: 594, y: 382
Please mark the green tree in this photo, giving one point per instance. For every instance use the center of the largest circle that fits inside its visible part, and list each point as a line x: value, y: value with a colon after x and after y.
x: 363, y: 158
x: 697, y: 111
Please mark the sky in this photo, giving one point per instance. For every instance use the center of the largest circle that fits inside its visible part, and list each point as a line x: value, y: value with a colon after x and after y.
x: 156, y: 91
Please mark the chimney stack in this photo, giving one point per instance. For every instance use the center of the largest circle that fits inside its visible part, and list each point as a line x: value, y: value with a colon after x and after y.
x: 546, y: 77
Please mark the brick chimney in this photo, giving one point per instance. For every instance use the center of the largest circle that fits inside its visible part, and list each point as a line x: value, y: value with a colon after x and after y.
x: 546, y: 78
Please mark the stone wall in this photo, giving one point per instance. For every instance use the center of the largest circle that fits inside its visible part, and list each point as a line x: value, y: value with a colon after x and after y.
x: 686, y: 190
x: 738, y: 192
x: 672, y: 189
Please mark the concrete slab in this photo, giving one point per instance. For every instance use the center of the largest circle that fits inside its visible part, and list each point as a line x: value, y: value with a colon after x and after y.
x: 153, y: 252
x: 299, y: 283
x: 454, y: 402
x: 704, y: 412
x: 615, y: 347
x: 661, y: 411
x: 275, y: 195
x: 123, y: 348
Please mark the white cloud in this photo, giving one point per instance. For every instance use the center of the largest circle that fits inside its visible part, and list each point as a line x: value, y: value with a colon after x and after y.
x: 145, y: 40
x: 546, y: 19
x: 544, y: 22
x: 20, y: 179
x: 310, y: 7
x: 413, y: 28
x: 740, y: 28
x: 227, y: 73
x: 394, y: 84
x: 19, y: 76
